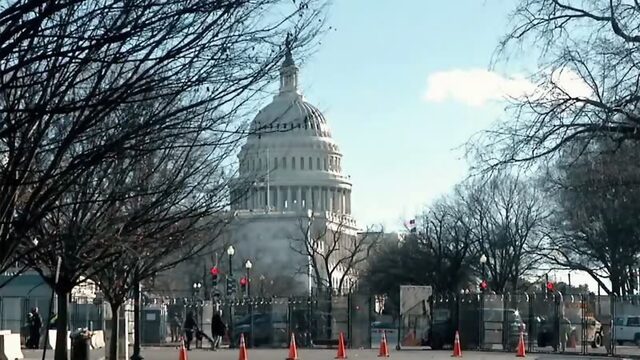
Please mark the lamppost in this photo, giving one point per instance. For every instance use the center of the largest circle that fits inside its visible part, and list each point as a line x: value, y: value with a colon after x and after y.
x: 483, y: 287
x: 248, y: 265
x: 483, y: 262
x: 196, y: 289
x: 230, y: 252
x: 308, y: 243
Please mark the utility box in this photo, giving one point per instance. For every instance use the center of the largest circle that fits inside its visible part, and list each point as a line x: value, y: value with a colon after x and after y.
x: 153, y: 326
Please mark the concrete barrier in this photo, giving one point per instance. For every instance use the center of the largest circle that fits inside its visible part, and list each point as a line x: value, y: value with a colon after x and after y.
x: 10, y: 347
x: 52, y: 340
x: 97, y: 340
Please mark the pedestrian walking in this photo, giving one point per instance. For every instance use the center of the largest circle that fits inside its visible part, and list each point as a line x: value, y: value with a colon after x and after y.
x: 175, y: 327
x: 218, y: 329
x: 565, y: 332
x: 35, y: 325
x: 190, y: 328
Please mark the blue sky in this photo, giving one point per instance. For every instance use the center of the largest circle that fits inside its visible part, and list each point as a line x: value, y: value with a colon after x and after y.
x: 370, y: 76
x: 404, y: 84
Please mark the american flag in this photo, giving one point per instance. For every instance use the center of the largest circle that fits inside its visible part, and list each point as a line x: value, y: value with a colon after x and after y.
x: 412, y: 225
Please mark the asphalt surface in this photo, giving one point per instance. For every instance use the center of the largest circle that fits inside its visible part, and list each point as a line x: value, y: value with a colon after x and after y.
x: 305, y: 354
x: 37, y: 354
x: 171, y: 353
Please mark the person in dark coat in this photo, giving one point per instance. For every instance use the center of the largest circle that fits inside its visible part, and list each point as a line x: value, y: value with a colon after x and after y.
x: 218, y: 329
x: 35, y: 324
x: 190, y: 327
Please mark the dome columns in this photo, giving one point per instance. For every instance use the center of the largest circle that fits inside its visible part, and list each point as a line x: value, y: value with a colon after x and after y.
x: 292, y: 198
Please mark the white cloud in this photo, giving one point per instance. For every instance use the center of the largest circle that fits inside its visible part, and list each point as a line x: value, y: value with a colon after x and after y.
x: 477, y: 87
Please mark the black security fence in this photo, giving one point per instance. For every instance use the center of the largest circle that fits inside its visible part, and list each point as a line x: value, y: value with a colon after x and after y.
x: 14, y: 312
x: 547, y: 322
x: 269, y: 321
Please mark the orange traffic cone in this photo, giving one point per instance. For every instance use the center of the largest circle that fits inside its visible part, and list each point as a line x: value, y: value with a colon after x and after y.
x: 572, y: 342
x: 243, y: 349
x: 457, y: 350
x: 182, y: 354
x: 293, y: 350
x: 384, y: 349
x: 342, y: 351
x: 521, y: 351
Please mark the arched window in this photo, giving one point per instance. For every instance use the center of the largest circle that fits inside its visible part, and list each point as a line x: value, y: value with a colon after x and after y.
x: 318, y: 164
x: 301, y: 163
x: 284, y: 162
x: 260, y: 164
x: 293, y: 163
x: 310, y: 163
x: 325, y: 165
x: 275, y: 163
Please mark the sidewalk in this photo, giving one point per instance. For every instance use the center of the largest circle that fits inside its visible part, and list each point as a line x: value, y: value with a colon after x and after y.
x: 37, y: 354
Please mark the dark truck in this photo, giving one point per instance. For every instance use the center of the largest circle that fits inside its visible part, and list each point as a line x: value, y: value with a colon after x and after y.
x: 443, y: 328
x: 268, y: 329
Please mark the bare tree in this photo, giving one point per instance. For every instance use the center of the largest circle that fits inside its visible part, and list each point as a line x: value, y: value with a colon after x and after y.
x: 446, y: 236
x: 587, y: 86
x: 594, y: 228
x: 70, y: 68
x: 334, y: 249
x: 507, y: 217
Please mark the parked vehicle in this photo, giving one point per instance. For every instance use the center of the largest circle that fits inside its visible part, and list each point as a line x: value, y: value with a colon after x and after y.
x: 266, y: 330
x: 443, y: 329
x: 547, y: 331
x: 627, y: 329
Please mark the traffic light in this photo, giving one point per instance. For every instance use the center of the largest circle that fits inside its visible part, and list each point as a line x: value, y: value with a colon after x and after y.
x: 484, y: 285
x: 243, y: 283
x: 550, y: 287
x: 231, y: 286
x: 214, y: 276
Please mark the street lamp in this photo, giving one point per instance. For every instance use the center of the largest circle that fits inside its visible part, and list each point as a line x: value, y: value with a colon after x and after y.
x: 309, y: 260
x: 230, y: 252
x: 196, y: 288
x: 483, y: 286
x: 248, y: 265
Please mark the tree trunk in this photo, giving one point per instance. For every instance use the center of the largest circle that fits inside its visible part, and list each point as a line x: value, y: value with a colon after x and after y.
x: 113, y: 337
x: 61, y: 326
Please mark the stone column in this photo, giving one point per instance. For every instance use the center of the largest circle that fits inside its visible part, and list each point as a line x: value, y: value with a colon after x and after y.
x: 309, y: 202
x: 348, y: 201
x: 280, y: 201
x: 299, y: 197
x: 289, y: 198
x: 316, y: 198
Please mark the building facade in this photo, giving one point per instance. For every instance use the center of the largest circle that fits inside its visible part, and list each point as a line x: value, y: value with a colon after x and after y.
x: 290, y: 188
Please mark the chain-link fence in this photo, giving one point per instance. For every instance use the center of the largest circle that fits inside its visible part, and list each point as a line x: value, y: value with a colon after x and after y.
x: 551, y: 322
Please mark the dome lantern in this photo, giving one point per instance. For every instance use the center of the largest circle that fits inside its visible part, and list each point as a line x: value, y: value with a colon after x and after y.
x: 288, y: 71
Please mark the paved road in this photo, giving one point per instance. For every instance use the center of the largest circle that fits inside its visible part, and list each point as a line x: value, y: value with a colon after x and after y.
x: 37, y: 354
x: 169, y: 353
x: 172, y: 354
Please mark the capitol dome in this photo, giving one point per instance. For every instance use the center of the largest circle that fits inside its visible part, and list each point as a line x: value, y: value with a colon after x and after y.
x: 290, y: 157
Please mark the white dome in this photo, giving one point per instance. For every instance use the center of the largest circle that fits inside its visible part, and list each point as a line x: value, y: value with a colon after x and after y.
x: 289, y: 113
x: 290, y: 156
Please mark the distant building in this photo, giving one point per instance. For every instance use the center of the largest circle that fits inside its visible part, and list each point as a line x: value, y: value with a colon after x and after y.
x: 290, y: 167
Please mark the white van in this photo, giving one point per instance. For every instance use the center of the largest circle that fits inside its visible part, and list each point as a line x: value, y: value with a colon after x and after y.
x: 627, y: 329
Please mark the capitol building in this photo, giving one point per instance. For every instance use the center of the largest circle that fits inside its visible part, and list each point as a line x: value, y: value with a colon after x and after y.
x: 291, y: 194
